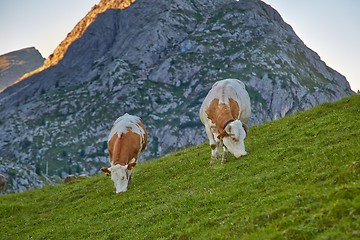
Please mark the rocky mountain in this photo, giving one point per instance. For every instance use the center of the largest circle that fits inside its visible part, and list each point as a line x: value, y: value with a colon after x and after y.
x: 155, y: 59
x: 15, y: 64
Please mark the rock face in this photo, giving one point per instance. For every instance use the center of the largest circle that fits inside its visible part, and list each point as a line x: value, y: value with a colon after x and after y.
x: 157, y: 60
x: 2, y: 184
x: 15, y: 64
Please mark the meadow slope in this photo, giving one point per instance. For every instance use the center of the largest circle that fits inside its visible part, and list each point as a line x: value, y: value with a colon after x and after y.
x: 300, y: 180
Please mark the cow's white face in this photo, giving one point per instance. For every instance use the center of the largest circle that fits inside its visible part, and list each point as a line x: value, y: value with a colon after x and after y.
x: 234, y: 139
x: 120, y: 175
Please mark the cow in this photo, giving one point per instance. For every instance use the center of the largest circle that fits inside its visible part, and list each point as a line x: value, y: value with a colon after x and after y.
x: 126, y: 141
x: 225, y: 113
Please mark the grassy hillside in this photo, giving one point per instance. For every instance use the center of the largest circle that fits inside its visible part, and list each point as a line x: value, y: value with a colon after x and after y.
x: 300, y: 180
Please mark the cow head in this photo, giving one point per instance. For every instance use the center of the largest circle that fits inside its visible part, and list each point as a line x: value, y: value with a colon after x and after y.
x: 233, y: 138
x: 120, y: 175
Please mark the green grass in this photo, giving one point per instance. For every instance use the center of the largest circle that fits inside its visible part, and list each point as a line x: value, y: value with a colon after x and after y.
x: 300, y: 180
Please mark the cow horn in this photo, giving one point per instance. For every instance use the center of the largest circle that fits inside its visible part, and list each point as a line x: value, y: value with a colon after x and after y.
x: 131, y: 165
x: 246, y: 128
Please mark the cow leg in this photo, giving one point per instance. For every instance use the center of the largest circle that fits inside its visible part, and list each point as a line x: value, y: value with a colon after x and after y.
x: 215, y: 153
x: 225, y: 155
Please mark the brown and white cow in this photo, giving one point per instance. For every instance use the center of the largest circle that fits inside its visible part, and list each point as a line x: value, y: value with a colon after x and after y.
x: 127, y: 140
x: 225, y: 113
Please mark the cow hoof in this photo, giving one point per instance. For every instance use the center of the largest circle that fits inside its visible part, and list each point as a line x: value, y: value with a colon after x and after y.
x: 223, y: 161
x: 213, y: 160
x: 224, y: 157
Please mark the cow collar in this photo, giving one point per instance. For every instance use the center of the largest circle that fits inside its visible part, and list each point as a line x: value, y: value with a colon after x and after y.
x: 231, y: 120
x: 224, y: 133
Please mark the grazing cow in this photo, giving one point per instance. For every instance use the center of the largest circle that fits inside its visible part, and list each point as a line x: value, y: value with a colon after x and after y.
x: 225, y: 113
x: 127, y: 140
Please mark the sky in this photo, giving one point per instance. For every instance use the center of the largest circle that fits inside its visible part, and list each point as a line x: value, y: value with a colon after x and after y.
x: 329, y: 27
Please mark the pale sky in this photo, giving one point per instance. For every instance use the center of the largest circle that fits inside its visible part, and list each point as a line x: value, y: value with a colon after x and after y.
x: 329, y: 27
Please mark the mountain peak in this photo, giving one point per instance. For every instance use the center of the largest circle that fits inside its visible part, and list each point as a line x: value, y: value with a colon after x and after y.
x: 15, y: 64
x: 79, y: 30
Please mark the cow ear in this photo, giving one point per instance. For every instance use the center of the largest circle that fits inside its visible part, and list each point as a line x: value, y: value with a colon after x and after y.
x: 222, y: 135
x: 105, y: 170
x: 228, y: 129
x: 131, y: 165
